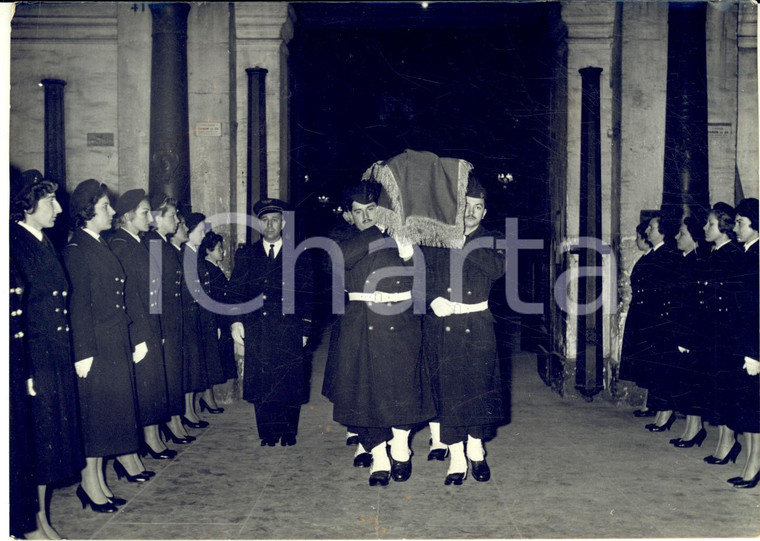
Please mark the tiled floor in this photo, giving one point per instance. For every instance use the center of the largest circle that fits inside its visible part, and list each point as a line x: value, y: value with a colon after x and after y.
x: 561, y: 469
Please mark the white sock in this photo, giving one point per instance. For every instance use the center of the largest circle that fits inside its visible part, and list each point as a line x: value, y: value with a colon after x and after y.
x: 457, y: 460
x: 400, y: 445
x: 475, y: 449
x: 359, y: 450
x: 380, y: 461
x: 435, y: 436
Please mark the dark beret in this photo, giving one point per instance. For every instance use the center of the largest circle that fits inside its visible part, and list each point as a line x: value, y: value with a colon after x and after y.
x: 475, y: 188
x: 265, y: 206
x: 364, y: 193
x: 84, y: 193
x: 193, y: 220
x: 720, y: 206
x: 129, y: 201
x: 22, y: 183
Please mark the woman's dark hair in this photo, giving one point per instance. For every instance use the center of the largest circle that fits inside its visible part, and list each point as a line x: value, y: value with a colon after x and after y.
x: 27, y: 202
x: 80, y: 219
x: 725, y: 215
x: 695, y: 227
x: 641, y: 231
x: 748, y: 208
x: 209, y: 242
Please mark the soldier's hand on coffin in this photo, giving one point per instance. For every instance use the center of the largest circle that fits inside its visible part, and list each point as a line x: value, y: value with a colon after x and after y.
x: 305, y: 340
x: 141, y: 350
x: 30, y: 387
x: 83, y: 367
x: 405, y: 249
x: 441, y: 307
x: 238, y: 333
x: 751, y: 366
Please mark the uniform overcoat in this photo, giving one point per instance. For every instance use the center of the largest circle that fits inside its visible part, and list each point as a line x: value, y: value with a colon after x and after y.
x: 210, y: 331
x: 171, y: 320
x: 195, y: 376
x: 99, y: 325
x: 634, y: 342
x: 746, y: 409
x: 141, y: 293
x: 47, y: 344
x: 379, y: 378
x: 218, y: 288
x: 275, y: 368
x: 460, y: 349
x: 719, y: 293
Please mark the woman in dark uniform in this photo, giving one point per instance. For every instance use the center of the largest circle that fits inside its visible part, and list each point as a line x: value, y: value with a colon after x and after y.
x: 165, y: 218
x: 102, y: 351
x: 58, y: 448
x: 194, y: 378
x: 690, y: 377
x: 746, y: 408
x: 209, y: 337
x: 142, y: 290
x: 634, y: 343
x: 218, y: 288
x: 719, y: 292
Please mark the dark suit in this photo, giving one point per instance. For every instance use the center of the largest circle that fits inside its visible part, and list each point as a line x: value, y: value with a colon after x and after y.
x: 275, y: 374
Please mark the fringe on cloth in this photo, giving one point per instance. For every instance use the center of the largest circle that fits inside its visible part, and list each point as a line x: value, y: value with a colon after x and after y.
x: 426, y: 229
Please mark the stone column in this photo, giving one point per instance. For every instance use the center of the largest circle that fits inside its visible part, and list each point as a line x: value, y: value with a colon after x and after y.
x: 747, y: 138
x: 55, y: 153
x: 588, y: 375
x: 590, y: 30
x: 256, y: 185
x: 685, y: 176
x: 169, y: 139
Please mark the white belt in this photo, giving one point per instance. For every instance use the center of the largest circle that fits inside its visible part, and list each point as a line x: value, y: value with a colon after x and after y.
x: 380, y: 296
x: 462, y: 308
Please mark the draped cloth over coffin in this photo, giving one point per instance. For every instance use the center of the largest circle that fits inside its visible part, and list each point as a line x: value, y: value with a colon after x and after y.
x: 423, y: 197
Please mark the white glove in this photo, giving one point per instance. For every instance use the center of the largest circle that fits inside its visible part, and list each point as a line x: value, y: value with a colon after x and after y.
x: 441, y: 307
x: 683, y: 350
x: 405, y: 249
x: 751, y: 366
x: 141, y: 350
x: 83, y: 367
x: 238, y: 333
x: 304, y: 339
x: 30, y: 387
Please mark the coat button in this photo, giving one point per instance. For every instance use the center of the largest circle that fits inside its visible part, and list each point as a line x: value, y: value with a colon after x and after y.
x: 117, y: 306
x: 448, y: 329
x: 264, y: 297
x: 393, y: 328
x: 64, y: 293
x: 467, y: 330
x: 59, y: 329
x: 117, y: 278
x: 448, y: 290
x: 263, y: 313
x: 55, y: 293
x: 370, y: 327
x: 469, y: 292
x: 57, y: 309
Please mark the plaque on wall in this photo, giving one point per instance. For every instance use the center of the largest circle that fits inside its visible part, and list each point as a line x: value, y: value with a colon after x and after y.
x: 100, y: 139
x: 208, y: 129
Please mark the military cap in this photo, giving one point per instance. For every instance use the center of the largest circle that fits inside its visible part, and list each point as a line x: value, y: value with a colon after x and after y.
x: 364, y: 193
x: 23, y: 182
x: 475, y: 188
x: 83, y: 194
x: 193, y: 220
x: 129, y: 201
x: 266, y: 206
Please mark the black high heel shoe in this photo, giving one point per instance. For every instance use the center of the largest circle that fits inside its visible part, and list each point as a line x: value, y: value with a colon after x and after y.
x: 116, y: 501
x: 751, y: 483
x: 379, y: 478
x: 736, y: 448
x: 121, y: 471
x: 654, y: 427
x: 454, y: 478
x: 107, y: 507
x: 169, y: 436
x: 191, y: 424
x: 166, y: 454
x: 214, y: 411
x: 736, y: 479
x: 697, y: 440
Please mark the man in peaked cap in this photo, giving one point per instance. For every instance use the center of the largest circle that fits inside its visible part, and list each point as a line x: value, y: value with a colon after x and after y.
x: 275, y: 373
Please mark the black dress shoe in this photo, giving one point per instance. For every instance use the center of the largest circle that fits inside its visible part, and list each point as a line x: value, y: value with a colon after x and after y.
x: 286, y: 441
x: 480, y: 470
x: 644, y: 413
x: 401, y: 471
x: 654, y: 427
x: 191, y: 424
x: 732, y: 454
x: 379, y: 478
x: 736, y: 479
x: 166, y: 454
x: 352, y: 440
x: 750, y: 483
x: 149, y: 473
x: 116, y: 501
x: 169, y: 436
x: 121, y: 471
x: 363, y: 460
x: 455, y: 478
x: 271, y: 442
x: 675, y: 440
x: 438, y: 454
x: 696, y: 440
x: 204, y: 406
